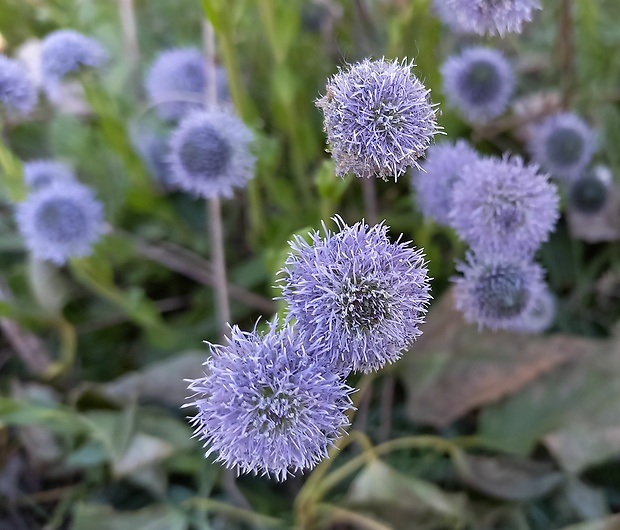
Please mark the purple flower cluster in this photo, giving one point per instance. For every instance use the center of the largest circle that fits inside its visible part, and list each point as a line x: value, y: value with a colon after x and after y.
x: 563, y: 144
x: 17, y: 92
x: 39, y: 174
x: 272, y: 403
x: 378, y: 119
x: 356, y: 294
x: 67, y: 51
x: 434, y: 181
x: 210, y: 154
x: 177, y: 81
x: 60, y: 221
x: 268, y: 403
x: 498, y: 290
x: 479, y: 83
x: 504, y: 202
x: 488, y: 16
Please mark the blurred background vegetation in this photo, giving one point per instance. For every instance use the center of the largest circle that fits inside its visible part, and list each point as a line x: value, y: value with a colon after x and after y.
x: 510, y: 432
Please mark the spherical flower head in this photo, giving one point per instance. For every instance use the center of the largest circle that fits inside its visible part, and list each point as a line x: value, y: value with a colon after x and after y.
x: 563, y: 144
x: 541, y: 315
x: 17, y: 92
x: 378, y: 118
x: 448, y: 16
x: 153, y: 148
x: 356, y: 295
x: 502, y: 202
x: 497, y: 290
x: 177, y: 82
x: 268, y: 406
x: 588, y: 194
x: 67, y: 51
x: 434, y: 182
x: 493, y: 17
x: 60, y: 221
x: 39, y: 174
x: 479, y: 83
x: 210, y: 154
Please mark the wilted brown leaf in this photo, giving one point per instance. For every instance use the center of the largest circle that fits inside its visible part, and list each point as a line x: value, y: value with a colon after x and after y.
x: 453, y: 368
x: 592, y: 437
x: 507, y: 477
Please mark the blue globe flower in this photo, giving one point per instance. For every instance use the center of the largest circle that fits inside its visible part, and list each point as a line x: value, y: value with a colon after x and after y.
x: 434, y: 182
x: 498, y: 290
x: 17, y: 92
x: 177, y: 82
x: 42, y: 173
x: 356, y: 295
x: 563, y: 144
x: 479, y: 83
x: 60, y: 221
x: 268, y: 406
x: 493, y: 16
x: 67, y: 51
x: 210, y: 154
x: 503, y: 203
x: 378, y: 118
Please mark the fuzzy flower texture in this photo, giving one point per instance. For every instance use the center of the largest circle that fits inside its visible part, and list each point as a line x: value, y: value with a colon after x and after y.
x: 479, y: 83
x: 60, y: 221
x: 489, y: 16
x: 434, y: 182
x: 67, y: 51
x: 500, y: 203
x: 210, y: 154
x: 266, y: 405
x: 563, y: 144
x: 177, y: 81
x: 41, y: 173
x: 17, y: 92
x: 356, y: 295
x: 378, y: 118
x: 499, y: 291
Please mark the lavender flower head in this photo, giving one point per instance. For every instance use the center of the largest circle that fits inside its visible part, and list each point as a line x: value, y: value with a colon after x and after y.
x: 17, y: 92
x: 66, y: 51
x: 589, y: 194
x: 177, y: 81
x: 479, y: 83
x: 42, y: 173
x: 440, y: 171
x: 563, y: 144
x: 60, y: 221
x: 498, y: 290
x: 493, y: 16
x: 448, y: 16
x: 541, y: 314
x: 210, y: 154
x: 501, y: 203
x: 356, y: 295
x: 265, y: 405
x: 378, y: 118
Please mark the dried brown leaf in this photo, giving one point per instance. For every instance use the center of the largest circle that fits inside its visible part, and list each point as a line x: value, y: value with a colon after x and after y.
x: 453, y: 368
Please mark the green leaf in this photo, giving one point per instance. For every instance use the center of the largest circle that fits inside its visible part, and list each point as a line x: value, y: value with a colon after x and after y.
x: 101, y: 517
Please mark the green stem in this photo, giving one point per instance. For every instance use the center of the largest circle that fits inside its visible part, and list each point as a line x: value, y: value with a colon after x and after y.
x: 68, y: 348
x: 336, y: 513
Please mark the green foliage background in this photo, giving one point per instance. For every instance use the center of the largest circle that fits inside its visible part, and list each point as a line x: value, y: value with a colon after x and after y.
x: 96, y: 441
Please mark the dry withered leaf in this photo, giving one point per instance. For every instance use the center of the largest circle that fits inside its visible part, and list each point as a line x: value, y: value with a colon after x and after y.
x: 592, y: 437
x: 453, y: 368
x: 508, y: 477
